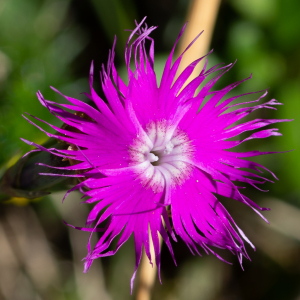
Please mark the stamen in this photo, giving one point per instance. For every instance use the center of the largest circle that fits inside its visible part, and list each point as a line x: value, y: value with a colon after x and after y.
x: 169, y: 148
x: 152, y: 157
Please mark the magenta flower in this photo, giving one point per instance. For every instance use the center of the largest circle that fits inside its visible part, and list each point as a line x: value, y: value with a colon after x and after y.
x: 148, y: 155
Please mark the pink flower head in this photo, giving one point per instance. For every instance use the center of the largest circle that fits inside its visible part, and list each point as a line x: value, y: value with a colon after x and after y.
x: 148, y: 152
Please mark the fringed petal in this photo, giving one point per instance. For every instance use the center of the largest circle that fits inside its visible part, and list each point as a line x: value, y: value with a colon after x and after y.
x: 147, y: 153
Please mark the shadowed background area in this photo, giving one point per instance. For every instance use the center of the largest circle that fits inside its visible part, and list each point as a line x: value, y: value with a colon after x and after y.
x: 52, y: 42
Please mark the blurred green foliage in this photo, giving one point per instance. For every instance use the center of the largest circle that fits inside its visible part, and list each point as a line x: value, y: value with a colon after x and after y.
x: 265, y: 38
x: 38, y: 44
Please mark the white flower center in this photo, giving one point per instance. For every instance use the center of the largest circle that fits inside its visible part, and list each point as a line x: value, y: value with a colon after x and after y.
x: 167, y: 164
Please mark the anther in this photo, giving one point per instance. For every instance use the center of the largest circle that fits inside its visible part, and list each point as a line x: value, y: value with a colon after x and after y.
x: 169, y: 147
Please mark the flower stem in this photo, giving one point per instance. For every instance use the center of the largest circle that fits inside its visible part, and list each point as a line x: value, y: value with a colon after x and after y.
x: 201, y: 15
x: 147, y: 274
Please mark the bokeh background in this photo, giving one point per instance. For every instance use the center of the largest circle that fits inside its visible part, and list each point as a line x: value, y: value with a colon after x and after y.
x: 48, y: 42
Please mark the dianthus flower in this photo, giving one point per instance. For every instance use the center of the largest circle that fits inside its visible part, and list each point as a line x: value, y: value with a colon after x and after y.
x: 152, y: 162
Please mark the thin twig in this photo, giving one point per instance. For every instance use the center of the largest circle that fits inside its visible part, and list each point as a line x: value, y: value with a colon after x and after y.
x: 202, y: 15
